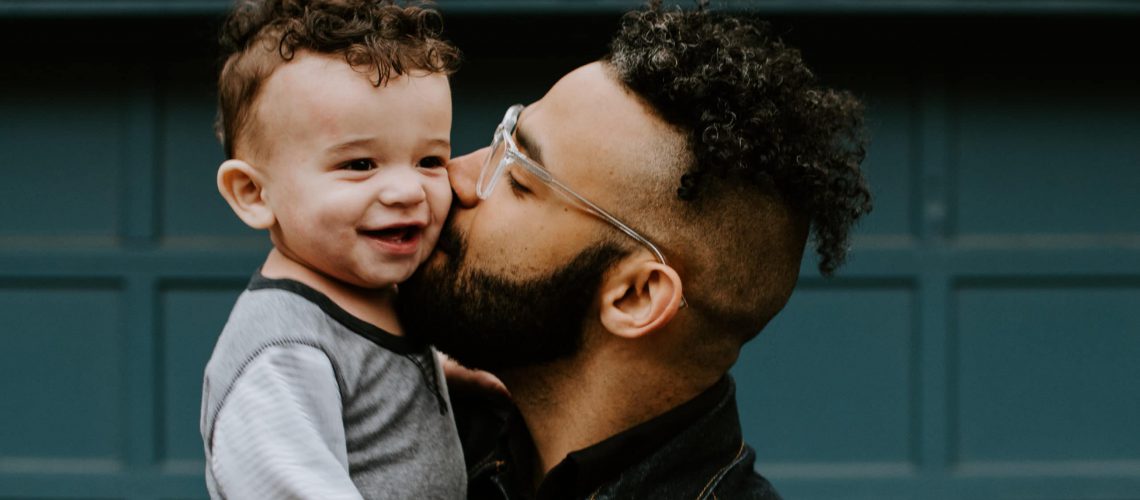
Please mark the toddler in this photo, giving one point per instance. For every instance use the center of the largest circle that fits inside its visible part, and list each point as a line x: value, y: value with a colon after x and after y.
x: 335, y: 116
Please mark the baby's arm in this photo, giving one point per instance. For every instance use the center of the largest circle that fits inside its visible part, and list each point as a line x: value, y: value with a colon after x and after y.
x: 279, y: 433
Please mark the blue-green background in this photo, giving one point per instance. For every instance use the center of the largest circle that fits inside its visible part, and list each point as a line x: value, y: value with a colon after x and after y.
x: 982, y: 343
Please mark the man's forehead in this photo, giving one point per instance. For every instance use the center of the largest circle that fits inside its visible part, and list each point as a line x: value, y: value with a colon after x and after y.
x: 588, y: 118
x: 587, y: 95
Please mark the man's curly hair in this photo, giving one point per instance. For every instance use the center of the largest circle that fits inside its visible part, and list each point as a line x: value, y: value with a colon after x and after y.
x: 374, y: 36
x: 753, y: 113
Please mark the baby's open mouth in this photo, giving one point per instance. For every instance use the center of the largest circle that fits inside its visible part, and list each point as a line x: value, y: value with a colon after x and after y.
x: 395, y: 234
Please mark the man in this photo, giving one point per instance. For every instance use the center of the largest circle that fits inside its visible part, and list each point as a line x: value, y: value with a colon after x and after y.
x: 618, y: 243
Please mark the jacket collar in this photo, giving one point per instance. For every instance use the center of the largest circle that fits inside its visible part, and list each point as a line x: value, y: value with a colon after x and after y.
x: 686, y: 443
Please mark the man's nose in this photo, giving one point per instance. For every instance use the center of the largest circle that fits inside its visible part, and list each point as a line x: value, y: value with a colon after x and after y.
x: 464, y: 174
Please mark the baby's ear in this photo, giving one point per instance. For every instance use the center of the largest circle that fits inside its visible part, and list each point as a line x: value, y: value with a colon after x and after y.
x: 241, y: 186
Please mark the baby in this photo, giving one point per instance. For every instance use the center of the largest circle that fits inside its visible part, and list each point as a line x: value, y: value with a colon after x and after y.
x: 335, y: 116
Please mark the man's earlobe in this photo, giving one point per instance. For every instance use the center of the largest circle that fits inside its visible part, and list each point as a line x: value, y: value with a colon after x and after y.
x: 242, y: 187
x: 640, y: 298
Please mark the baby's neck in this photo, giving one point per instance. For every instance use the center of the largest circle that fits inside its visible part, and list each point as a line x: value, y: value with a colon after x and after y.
x: 373, y: 305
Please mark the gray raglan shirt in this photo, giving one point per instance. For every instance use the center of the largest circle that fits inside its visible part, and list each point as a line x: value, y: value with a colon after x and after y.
x: 303, y: 400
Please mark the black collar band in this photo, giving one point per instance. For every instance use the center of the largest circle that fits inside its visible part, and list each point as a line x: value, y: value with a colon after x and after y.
x: 585, y: 470
x: 375, y: 334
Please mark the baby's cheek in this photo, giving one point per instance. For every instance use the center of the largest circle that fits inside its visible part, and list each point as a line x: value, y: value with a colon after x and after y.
x: 440, y: 209
x: 440, y: 193
x: 430, y: 240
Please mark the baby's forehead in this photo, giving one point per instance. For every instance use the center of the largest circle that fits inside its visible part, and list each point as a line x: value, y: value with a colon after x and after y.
x: 320, y: 102
x: 298, y: 95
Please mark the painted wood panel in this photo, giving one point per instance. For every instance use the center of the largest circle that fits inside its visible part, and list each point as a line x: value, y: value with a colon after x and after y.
x: 62, y: 384
x: 1043, y: 369
x: 979, y: 344
x: 865, y: 334
x: 63, y: 152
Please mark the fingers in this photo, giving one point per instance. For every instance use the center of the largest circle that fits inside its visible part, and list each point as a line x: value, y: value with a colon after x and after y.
x: 470, y: 382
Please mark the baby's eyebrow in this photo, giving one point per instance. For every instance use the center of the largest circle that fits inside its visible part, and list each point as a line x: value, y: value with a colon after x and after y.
x: 440, y: 142
x: 353, y: 144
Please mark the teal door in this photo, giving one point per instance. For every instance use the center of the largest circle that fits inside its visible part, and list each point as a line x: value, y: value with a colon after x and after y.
x: 982, y: 342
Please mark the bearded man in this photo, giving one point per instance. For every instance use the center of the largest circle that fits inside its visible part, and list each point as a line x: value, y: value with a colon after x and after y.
x: 621, y: 239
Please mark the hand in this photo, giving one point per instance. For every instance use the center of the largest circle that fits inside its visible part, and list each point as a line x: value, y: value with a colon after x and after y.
x: 463, y: 380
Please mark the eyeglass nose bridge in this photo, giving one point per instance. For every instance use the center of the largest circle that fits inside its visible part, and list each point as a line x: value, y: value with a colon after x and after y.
x: 488, y: 173
x: 501, y: 149
x: 511, y: 118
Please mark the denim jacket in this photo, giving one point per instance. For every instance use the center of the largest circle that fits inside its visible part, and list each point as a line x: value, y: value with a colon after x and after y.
x: 694, y: 451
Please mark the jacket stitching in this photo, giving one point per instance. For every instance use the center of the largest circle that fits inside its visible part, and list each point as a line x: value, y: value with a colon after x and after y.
x: 483, y: 464
x: 715, y: 479
x: 712, y: 483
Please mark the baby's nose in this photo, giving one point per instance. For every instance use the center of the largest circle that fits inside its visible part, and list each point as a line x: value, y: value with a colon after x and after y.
x: 402, y: 188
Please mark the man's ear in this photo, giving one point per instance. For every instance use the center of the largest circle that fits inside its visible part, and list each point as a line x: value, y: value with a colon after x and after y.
x: 639, y: 297
x: 241, y: 186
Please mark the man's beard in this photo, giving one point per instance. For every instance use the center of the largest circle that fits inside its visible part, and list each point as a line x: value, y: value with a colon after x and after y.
x: 491, y: 322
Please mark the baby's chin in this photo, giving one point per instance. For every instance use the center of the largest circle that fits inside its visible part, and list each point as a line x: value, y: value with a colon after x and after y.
x: 402, y: 275
x: 382, y: 276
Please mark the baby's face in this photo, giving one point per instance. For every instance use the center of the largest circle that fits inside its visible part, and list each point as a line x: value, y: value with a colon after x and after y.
x: 356, y: 174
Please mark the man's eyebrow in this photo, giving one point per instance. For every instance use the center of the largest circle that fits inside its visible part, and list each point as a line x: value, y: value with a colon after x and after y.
x: 528, y: 145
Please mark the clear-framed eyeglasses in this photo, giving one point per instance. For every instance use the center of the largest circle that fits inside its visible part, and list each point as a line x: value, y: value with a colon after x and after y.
x: 505, y: 152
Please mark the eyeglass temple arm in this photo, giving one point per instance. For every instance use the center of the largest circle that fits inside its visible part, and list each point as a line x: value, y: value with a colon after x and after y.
x: 510, y: 121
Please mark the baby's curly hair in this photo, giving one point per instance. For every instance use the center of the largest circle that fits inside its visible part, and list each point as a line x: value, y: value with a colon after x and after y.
x: 753, y: 113
x: 374, y: 36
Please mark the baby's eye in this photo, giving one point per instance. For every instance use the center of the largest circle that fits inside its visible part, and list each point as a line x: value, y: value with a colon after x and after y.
x: 433, y: 162
x: 360, y: 165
